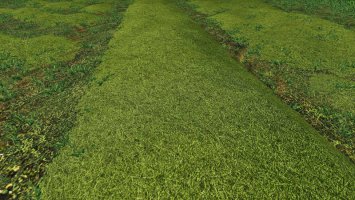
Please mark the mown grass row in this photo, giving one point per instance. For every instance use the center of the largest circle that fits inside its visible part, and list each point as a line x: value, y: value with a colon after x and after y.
x: 47, y: 54
x: 178, y: 118
x: 341, y: 11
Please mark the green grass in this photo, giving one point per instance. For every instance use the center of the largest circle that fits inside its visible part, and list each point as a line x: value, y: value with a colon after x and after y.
x: 39, y: 51
x: 47, y: 54
x: 306, y: 60
x: 172, y: 115
x: 341, y: 11
x: 50, y: 19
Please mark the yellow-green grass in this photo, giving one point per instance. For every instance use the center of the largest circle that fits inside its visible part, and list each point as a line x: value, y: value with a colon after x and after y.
x: 48, y: 19
x: 39, y: 51
x: 50, y: 14
x: 172, y: 115
x: 300, y: 56
x: 48, y: 50
x: 98, y: 8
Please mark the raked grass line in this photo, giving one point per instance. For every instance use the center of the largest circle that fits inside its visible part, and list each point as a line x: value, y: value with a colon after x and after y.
x: 171, y: 115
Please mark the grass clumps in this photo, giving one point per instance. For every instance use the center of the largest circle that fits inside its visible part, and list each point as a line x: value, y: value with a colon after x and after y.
x: 172, y: 116
x: 341, y: 11
x: 61, y: 7
x: 47, y: 54
x: 12, y: 3
x: 290, y: 52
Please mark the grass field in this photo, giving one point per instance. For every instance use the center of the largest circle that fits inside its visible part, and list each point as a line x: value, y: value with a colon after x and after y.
x: 306, y: 60
x: 340, y: 11
x: 156, y: 108
x: 48, y: 50
x: 172, y: 115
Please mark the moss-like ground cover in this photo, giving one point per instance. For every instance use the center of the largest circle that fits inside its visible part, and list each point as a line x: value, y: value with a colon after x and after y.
x: 172, y: 115
x: 48, y: 49
x: 308, y: 61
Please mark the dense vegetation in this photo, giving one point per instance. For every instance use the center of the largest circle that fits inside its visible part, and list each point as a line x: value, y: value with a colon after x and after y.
x: 307, y: 61
x: 341, y: 11
x: 48, y: 50
x: 178, y: 118
x: 163, y: 111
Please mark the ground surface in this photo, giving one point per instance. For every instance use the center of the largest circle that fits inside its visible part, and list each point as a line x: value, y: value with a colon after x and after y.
x: 172, y: 115
x: 340, y: 11
x: 48, y: 49
x: 308, y: 61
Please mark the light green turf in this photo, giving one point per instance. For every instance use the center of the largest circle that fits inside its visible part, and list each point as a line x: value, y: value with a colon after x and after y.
x: 51, y: 20
x: 313, y: 45
x: 342, y: 90
x: 38, y: 51
x: 98, y: 8
x: 171, y: 115
x: 51, y: 14
x: 94, y: 6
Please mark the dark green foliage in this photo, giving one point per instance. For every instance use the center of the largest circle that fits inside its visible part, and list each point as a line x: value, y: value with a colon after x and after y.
x: 13, y: 3
x: 341, y: 11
